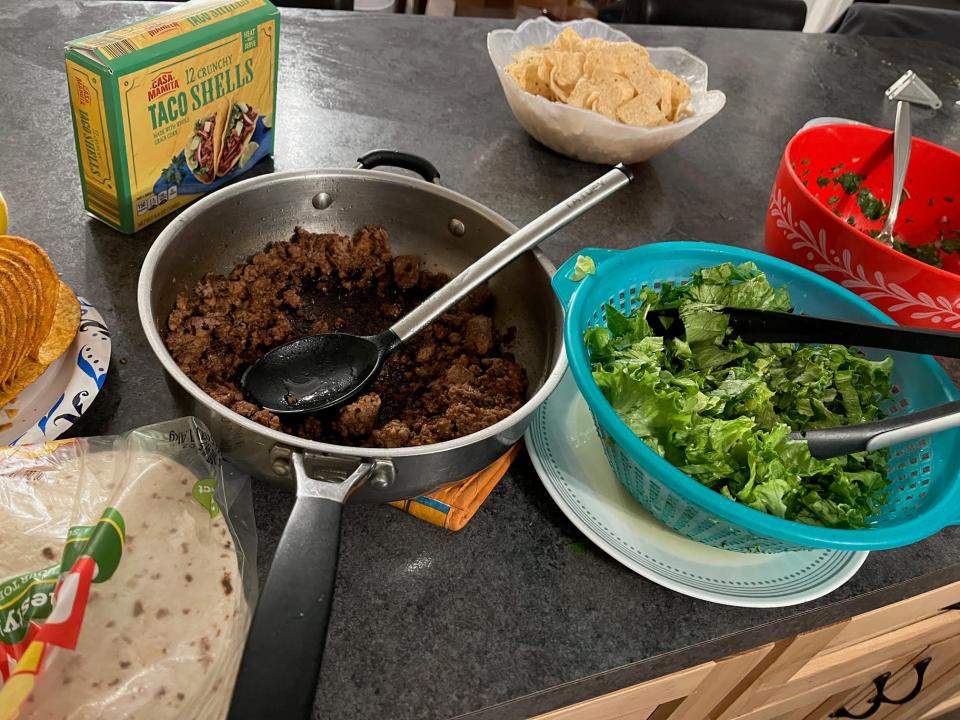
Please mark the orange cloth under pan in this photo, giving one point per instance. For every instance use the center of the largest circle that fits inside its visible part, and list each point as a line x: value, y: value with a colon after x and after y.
x: 453, y: 506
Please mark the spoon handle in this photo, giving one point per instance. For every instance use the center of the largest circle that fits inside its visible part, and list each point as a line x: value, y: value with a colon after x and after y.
x: 524, y: 239
x: 902, y: 136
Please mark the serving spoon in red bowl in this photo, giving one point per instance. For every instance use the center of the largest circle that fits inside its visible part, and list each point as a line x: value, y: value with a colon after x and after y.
x: 902, y: 136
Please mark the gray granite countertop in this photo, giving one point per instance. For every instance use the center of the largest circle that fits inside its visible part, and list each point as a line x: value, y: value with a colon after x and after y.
x: 504, y: 619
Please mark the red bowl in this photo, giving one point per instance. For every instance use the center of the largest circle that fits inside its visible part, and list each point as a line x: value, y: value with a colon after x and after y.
x: 808, y: 220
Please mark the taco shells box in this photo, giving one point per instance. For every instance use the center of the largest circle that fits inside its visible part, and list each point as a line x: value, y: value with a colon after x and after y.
x: 172, y: 107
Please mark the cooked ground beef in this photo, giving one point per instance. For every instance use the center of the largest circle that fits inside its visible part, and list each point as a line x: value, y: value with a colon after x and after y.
x: 451, y: 379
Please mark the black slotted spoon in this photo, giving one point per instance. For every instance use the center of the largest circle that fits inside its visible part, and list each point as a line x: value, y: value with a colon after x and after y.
x: 324, y: 371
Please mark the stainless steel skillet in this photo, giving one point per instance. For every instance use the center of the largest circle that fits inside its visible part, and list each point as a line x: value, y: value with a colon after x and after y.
x: 449, y: 231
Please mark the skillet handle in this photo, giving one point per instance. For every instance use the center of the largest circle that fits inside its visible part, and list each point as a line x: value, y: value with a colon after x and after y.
x: 406, y: 161
x: 281, y: 659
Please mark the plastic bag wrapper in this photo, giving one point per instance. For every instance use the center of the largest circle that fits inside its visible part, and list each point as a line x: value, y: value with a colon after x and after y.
x: 127, y: 576
x: 587, y: 135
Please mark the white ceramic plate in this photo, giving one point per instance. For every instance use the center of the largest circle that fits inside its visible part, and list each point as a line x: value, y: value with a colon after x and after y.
x: 568, y: 456
x: 52, y: 403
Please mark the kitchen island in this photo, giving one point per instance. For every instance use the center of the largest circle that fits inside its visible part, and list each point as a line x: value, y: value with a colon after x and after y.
x: 515, y: 615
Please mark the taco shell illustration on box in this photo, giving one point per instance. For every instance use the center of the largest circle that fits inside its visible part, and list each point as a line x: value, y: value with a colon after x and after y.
x: 237, y: 133
x: 203, y: 149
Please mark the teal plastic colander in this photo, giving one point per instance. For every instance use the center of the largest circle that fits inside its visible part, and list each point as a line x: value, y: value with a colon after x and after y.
x: 924, y: 495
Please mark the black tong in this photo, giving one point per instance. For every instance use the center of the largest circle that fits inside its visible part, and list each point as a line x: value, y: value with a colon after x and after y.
x: 783, y: 327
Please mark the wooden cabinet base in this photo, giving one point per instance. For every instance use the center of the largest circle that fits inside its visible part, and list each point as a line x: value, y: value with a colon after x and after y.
x: 901, y: 661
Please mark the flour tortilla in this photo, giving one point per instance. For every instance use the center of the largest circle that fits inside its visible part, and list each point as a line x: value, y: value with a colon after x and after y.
x: 162, y: 638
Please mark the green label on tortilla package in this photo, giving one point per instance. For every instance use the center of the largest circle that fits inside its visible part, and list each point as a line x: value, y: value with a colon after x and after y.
x: 24, y: 598
x: 28, y: 597
x: 172, y: 107
x: 204, y: 492
x: 103, y: 542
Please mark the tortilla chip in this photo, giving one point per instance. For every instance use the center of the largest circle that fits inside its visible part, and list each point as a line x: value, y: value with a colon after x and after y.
x: 66, y: 321
x: 603, y: 76
x: 529, y: 54
x: 680, y: 95
x: 569, y: 69
x: 646, y: 81
x: 585, y: 94
x: 559, y: 93
x: 592, y: 61
x: 641, y: 113
x: 568, y: 40
x: 527, y: 76
x: 547, y: 62
x: 614, y: 92
x: 618, y: 57
x: 666, y: 103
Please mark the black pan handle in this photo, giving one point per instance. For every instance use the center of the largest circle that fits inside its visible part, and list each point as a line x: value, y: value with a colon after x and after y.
x: 772, y: 326
x: 281, y: 659
x: 406, y: 161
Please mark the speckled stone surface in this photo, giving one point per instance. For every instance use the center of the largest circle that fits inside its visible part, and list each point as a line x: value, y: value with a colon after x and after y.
x: 504, y: 619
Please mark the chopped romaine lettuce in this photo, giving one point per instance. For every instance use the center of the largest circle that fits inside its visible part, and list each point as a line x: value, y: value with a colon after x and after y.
x: 721, y: 409
x: 584, y: 266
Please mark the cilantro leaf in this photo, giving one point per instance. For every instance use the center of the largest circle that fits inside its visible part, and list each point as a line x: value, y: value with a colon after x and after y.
x: 850, y: 181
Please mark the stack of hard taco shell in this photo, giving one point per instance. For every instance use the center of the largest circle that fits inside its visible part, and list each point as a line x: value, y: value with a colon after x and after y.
x: 39, y: 315
x: 221, y: 141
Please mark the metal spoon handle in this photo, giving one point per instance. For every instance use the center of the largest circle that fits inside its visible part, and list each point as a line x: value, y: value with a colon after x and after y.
x: 902, y: 136
x: 524, y: 239
x: 832, y: 442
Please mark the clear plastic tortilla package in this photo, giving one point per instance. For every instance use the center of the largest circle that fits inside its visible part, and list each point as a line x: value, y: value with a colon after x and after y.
x: 127, y: 575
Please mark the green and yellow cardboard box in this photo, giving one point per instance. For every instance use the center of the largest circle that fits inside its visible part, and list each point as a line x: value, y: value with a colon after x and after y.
x: 172, y: 107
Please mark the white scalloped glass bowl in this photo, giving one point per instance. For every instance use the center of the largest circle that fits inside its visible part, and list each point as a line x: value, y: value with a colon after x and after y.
x: 584, y: 134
